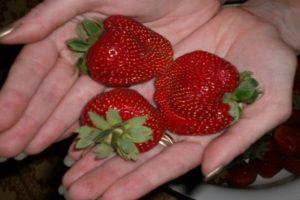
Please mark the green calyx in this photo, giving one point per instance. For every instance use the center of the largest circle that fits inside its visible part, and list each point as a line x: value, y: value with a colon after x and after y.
x: 88, y: 32
x: 113, y: 135
x: 246, y: 93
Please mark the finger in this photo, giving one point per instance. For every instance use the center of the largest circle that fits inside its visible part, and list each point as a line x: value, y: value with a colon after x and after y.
x: 68, y: 132
x: 24, y: 78
x: 65, y: 114
x: 92, y: 184
x: 169, y: 164
x: 257, y: 120
x: 83, y: 166
x: 47, y: 97
x: 44, y: 19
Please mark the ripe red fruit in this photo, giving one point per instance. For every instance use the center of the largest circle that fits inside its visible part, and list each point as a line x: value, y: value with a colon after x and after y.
x: 292, y: 165
x: 241, y: 175
x: 265, y: 169
x: 294, y: 121
x: 200, y: 93
x: 271, y: 154
x: 288, y: 141
x: 124, y: 121
x: 122, y: 53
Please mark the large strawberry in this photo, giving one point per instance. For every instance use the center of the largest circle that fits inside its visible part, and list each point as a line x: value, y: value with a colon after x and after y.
x: 120, y: 121
x: 121, y: 51
x: 201, y: 93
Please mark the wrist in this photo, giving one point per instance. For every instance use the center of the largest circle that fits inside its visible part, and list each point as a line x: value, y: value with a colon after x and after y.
x: 283, y: 14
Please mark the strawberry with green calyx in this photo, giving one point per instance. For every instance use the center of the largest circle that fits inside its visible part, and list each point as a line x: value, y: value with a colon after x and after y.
x: 201, y: 94
x: 120, y: 121
x: 120, y: 52
x: 88, y: 32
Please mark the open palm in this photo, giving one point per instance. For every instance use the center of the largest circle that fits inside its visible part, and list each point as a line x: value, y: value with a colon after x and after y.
x: 43, y: 95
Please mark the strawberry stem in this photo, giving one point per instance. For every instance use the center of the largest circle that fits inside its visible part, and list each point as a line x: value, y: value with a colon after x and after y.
x: 114, y: 135
x: 246, y: 93
x: 88, y: 32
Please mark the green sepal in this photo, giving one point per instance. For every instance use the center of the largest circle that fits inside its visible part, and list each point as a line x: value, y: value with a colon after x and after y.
x: 113, y: 117
x: 88, y: 32
x: 235, y: 111
x: 127, y: 149
x: 229, y: 97
x: 111, y: 134
x: 86, y: 137
x: 78, y: 45
x: 82, y: 66
x: 98, y: 121
x: 139, y: 134
x: 104, y: 150
x: 136, y: 122
x: 246, y: 92
x: 93, y: 28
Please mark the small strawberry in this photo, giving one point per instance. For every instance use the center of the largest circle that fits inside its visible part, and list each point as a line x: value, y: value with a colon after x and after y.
x: 292, y: 165
x: 288, y: 141
x: 265, y: 157
x: 201, y: 93
x: 294, y: 121
x: 241, y: 175
x: 265, y: 169
x: 121, y: 51
x: 120, y: 121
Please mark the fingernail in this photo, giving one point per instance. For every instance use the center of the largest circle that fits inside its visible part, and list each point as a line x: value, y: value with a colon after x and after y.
x: 61, y: 190
x: 21, y: 156
x: 68, y: 161
x: 5, y: 31
x: 2, y: 159
x: 213, y: 174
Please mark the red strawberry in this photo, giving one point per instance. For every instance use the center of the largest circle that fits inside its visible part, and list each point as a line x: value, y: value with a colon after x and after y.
x: 120, y: 120
x: 288, y: 141
x: 265, y: 169
x: 292, y: 165
x: 265, y: 157
x: 241, y: 175
x: 271, y: 154
x: 200, y: 93
x: 294, y: 121
x: 124, y: 53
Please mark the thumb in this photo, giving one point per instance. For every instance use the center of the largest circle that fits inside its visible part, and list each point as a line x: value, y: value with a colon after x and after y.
x: 257, y: 120
x: 42, y: 20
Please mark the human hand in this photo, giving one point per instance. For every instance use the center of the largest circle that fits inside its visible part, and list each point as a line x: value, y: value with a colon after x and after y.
x: 247, y: 42
x: 233, y: 34
x: 43, y: 95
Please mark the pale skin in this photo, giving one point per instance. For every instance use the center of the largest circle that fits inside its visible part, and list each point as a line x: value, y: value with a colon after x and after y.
x: 44, y: 95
